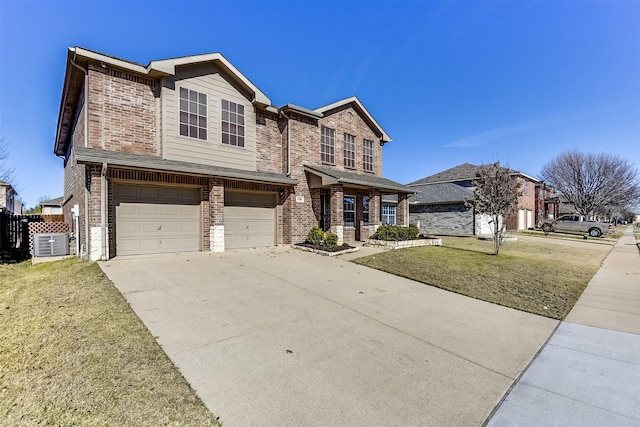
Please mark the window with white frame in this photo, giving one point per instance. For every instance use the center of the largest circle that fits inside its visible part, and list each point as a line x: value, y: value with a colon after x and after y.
x: 193, y: 114
x: 365, y: 210
x: 388, y: 214
x: 328, y: 145
x: 367, y: 156
x: 349, y: 209
x: 525, y: 189
x: 349, y: 151
x: 232, y: 123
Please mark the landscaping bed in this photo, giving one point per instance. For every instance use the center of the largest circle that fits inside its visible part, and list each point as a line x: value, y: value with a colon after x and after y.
x: 397, y: 244
x: 326, y: 250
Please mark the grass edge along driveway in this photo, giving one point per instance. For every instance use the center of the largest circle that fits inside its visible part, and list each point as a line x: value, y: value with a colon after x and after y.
x: 74, y: 353
x: 539, y: 275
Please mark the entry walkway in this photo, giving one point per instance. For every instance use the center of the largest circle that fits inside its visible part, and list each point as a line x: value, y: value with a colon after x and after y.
x: 588, y: 374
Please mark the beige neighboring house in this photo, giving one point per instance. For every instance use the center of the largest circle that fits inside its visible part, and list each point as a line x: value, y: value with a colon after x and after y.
x: 8, y: 199
x: 187, y: 154
x: 52, y: 207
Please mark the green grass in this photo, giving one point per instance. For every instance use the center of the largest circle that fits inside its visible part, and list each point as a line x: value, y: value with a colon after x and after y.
x: 74, y: 353
x: 541, y: 275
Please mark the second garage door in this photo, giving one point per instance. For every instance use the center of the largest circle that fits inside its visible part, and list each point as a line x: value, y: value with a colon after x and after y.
x: 154, y: 219
x: 249, y: 220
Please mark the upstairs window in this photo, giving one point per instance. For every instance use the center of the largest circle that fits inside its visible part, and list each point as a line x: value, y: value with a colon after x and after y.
x: 349, y: 151
x: 367, y: 156
x: 525, y: 186
x: 328, y: 145
x: 349, y: 209
x: 232, y: 123
x: 193, y: 114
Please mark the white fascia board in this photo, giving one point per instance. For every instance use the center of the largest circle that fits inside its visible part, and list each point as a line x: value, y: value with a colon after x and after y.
x: 108, y: 59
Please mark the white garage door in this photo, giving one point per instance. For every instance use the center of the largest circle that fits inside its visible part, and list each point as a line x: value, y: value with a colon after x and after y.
x: 249, y: 220
x: 154, y: 219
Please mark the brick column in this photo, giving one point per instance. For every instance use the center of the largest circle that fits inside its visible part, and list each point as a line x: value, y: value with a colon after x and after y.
x: 337, y: 213
x: 216, y: 215
x: 375, y: 207
x: 402, y: 213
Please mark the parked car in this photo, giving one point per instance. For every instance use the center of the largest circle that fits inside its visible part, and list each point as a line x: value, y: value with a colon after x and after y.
x: 578, y: 224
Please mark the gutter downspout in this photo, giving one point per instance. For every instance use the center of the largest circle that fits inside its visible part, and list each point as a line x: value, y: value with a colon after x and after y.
x: 288, y: 142
x: 103, y: 210
x: 86, y: 144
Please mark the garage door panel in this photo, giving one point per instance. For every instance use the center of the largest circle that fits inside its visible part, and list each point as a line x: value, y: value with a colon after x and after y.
x: 249, y: 220
x: 145, y: 225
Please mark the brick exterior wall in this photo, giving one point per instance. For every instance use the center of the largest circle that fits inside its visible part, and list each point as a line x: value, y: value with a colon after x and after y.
x: 270, y: 146
x: 122, y: 111
x: 445, y: 219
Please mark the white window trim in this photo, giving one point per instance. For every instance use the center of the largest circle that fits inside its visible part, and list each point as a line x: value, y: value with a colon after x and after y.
x: 353, y: 152
x: 244, y: 125
x: 206, y: 128
x: 364, y: 155
x: 332, y: 146
x: 388, y: 215
x: 344, y: 211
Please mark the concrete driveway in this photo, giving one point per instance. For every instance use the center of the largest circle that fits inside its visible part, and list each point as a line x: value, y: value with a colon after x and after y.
x: 283, y: 337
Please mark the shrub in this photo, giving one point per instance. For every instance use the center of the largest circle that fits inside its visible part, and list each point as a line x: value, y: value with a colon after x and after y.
x: 331, y: 239
x: 315, y: 236
x: 396, y: 232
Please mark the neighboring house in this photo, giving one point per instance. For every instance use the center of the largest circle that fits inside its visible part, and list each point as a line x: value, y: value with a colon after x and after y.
x: 187, y: 154
x: 438, y: 205
x: 547, y: 202
x: 8, y: 198
x: 52, y: 207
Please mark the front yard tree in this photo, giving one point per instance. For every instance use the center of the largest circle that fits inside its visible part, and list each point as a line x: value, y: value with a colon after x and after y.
x: 496, y: 195
x: 593, y: 182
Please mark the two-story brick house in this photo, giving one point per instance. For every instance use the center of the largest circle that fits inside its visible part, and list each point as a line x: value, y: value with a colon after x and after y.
x: 438, y: 205
x: 187, y: 154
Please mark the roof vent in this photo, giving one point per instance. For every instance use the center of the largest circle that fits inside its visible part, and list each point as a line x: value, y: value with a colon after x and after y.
x: 51, y: 244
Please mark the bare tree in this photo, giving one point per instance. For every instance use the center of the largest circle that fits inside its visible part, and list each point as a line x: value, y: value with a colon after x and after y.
x: 7, y: 172
x: 591, y: 182
x: 496, y: 195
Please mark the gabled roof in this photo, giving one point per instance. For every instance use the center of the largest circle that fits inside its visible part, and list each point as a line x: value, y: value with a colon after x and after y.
x: 155, y: 69
x: 336, y: 176
x: 361, y: 110
x: 460, y: 173
x: 156, y: 163
x: 440, y: 193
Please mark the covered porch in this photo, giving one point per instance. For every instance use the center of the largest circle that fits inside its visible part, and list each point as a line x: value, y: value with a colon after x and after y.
x: 353, y: 205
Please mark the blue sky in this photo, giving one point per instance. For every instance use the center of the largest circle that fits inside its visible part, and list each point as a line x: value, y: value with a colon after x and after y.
x: 450, y: 82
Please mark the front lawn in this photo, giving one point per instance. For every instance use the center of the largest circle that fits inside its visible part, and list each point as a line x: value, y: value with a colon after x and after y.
x: 539, y: 275
x: 73, y: 353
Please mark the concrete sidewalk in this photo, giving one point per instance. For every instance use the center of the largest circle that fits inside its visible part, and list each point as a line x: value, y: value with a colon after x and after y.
x: 588, y: 374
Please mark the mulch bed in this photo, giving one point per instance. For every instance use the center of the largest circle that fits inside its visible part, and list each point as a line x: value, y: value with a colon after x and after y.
x: 342, y: 247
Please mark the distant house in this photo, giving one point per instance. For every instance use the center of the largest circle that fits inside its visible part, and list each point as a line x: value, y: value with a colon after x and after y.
x: 438, y: 206
x: 547, y: 202
x: 8, y: 198
x: 52, y: 207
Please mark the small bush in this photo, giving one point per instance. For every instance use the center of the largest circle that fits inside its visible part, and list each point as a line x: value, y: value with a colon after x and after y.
x: 315, y: 236
x: 331, y: 239
x: 396, y: 232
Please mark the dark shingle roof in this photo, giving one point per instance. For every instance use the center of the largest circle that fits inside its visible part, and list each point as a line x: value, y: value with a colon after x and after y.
x: 463, y: 172
x: 139, y: 161
x: 53, y: 202
x: 440, y: 193
x: 345, y: 177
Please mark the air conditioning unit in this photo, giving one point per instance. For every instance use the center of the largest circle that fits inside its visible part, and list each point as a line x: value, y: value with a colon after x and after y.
x: 51, y: 244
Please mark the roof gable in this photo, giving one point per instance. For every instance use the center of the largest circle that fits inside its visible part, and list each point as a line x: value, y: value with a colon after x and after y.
x: 361, y: 110
x: 460, y: 173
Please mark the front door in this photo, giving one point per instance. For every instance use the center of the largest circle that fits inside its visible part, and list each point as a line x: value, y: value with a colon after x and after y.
x: 324, y: 213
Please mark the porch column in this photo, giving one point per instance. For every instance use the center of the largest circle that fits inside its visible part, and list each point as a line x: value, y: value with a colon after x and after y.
x: 375, y: 207
x: 337, y: 211
x: 402, y: 214
x: 216, y: 215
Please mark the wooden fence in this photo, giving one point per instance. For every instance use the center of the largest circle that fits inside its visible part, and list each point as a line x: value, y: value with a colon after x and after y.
x: 14, y: 236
